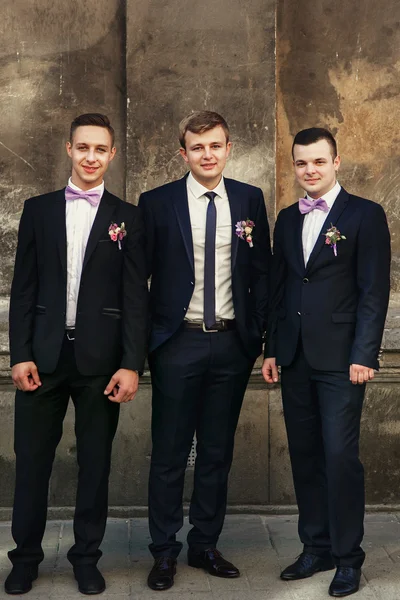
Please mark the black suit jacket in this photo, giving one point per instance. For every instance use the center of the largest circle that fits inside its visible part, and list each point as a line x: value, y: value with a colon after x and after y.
x: 110, y: 330
x: 337, y: 303
x: 170, y: 260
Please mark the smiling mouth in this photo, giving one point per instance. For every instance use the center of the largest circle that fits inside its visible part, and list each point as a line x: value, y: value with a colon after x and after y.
x: 209, y: 166
x: 90, y: 169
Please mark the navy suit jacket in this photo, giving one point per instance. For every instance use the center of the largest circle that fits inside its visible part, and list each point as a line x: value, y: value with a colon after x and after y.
x: 110, y: 330
x: 337, y: 303
x: 170, y: 260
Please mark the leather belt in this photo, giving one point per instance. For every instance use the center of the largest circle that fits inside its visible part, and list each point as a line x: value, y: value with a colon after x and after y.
x: 219, y: 326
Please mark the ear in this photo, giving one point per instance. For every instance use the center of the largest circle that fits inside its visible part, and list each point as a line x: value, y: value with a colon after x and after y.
x: 69, y: 148
x: 182, y: 152
x: 228, y: 148
x: 112, y: 153
x: 336, y: 163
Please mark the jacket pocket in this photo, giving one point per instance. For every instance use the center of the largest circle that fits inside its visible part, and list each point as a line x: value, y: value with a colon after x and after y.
x: 344, y: 317
x: 114, y: 313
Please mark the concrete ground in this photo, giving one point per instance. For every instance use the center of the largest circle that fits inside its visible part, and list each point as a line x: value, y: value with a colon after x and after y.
x: 259, y: 545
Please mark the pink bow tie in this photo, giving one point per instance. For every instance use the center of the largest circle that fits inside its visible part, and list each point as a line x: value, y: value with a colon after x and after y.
x: 306, y: 205
x: 92, y: 196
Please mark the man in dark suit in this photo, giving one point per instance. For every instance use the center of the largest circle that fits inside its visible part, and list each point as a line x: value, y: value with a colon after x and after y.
x: 208, y: 299
x: 77, y: 328
x: 330, y: 292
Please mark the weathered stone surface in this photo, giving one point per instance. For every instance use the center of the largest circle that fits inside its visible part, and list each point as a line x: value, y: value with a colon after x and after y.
x: 211, y: 56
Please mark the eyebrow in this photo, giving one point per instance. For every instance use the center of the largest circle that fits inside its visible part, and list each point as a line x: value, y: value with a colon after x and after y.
x: 97, y: 145
x: 314, y: 160
x: 201, y: 144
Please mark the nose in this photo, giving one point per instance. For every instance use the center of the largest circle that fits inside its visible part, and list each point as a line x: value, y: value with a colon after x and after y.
x: 207, y: 152
x: 310, y: 167
x: 90, y: 157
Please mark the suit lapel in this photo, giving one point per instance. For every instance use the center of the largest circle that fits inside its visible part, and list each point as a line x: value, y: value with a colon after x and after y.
x: 59, y: 226
x: 181, y: 207
x: 332, y: 219
x: 101, y: 223
x: 235, y: 206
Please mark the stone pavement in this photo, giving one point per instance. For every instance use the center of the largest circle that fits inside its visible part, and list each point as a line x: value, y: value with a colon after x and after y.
x: 259, y: 545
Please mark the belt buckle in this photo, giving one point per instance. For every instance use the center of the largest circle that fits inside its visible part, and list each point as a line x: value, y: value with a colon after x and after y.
x: 209, y: 330
x: 71, y: 339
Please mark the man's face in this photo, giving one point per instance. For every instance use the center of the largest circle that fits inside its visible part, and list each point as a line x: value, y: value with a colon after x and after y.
x: 315, y: 168
x: 91, y: 153
x: 206, y: 155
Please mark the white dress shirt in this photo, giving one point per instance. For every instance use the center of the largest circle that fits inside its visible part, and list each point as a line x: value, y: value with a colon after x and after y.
x: 314, y: 220
x: 198, y: 204
x: 79, y: 217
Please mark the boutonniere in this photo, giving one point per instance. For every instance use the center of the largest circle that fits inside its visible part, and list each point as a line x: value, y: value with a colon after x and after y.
x: 332, y: 237
x: 244, y: 230
x: 117, y: 233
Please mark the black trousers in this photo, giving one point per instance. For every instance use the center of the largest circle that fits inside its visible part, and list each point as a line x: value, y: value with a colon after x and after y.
x: 39, y: 419
x: 322, y: 412
x: 198, y: 381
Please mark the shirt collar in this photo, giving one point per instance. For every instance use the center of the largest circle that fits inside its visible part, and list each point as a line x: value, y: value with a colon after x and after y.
x: 199, y: 190
x: 98, y: 188
x: 330, y: 196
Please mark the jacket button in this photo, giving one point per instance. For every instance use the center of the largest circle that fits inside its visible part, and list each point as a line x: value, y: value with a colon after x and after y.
x: 299, y: 313
x: 305, y: 280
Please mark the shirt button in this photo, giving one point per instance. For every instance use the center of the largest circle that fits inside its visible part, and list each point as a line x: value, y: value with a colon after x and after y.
x: 299, y: 313
x: 305, y: 280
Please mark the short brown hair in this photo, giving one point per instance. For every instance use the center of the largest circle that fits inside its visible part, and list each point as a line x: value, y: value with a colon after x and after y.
x: 201, y: 121
x: 96, y: 119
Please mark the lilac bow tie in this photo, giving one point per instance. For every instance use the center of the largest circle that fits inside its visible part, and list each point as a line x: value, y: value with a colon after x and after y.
x: 92, y: 196
x: 306, y: 205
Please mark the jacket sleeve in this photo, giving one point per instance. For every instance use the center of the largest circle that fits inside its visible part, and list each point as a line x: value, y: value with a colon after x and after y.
x: 260, y: 265
x: 135, y: 298
x: 23, y: 290
x: 148, y: 219
x: 277, y: 288
x: 373, y: 281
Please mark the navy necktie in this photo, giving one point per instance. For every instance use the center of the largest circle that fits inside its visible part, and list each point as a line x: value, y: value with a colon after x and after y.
x: 209, y: 262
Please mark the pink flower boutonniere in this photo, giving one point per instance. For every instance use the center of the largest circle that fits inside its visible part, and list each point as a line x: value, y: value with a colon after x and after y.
x: 244, y: 230
x: 332, y: 237
x: 117, y: 233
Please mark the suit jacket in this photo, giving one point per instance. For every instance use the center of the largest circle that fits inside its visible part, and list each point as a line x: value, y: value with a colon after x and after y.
x: 110, y: 330
x: 337, y: 304
x: 170, y: 260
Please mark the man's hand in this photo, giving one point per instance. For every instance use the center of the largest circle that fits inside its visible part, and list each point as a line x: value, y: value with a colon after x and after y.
x: 360, y: 374
x: 25, y: 376
x: 270, y: 370
x: 122, y: 386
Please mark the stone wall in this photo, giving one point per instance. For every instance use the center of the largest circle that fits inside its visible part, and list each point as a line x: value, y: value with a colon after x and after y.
x: 271, y: 68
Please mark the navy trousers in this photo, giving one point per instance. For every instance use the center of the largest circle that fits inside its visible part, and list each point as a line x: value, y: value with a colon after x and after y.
x: 322, y: 412
x: 198, y: 380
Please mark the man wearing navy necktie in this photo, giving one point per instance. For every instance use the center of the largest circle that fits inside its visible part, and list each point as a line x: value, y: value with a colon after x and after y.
x: 78, y: 329
x: 208, y: 254
x: 329, y: 298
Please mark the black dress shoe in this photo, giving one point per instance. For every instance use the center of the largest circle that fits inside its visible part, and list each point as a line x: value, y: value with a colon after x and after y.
x: 212, y: 561
x: 90, y: 580
x: 345, y: 582
x: 20, y: 578
x: 306, y: 565
x: 161, y: 576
